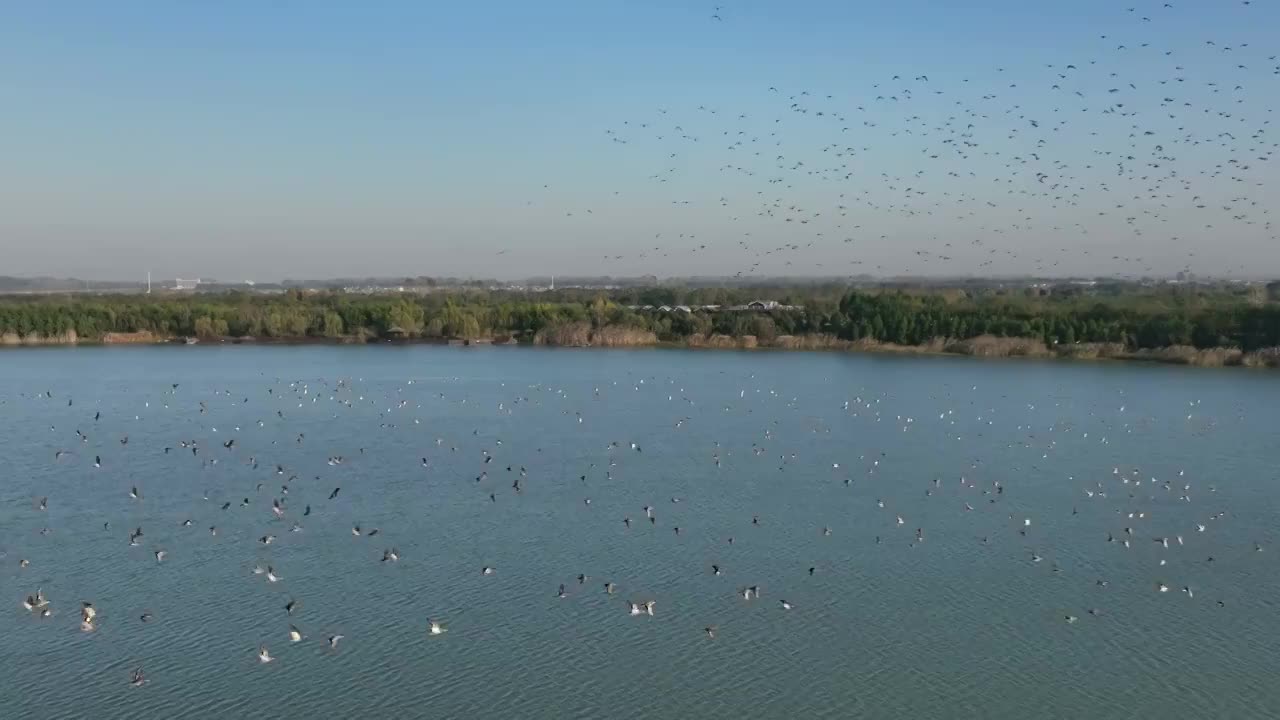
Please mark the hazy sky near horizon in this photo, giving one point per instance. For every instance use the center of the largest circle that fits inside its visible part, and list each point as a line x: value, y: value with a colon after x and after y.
x: 507, y: 138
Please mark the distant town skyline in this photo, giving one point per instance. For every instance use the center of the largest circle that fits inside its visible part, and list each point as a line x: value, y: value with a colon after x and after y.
x: 44, y: 283
x: 247, y: 141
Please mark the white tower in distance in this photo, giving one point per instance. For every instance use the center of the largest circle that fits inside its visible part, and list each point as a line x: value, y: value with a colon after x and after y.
x: 148, y: 282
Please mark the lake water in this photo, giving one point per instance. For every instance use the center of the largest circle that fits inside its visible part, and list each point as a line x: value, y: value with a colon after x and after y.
x: 961, y: 624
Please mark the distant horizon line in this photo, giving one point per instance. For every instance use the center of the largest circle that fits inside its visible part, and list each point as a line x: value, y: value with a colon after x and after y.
x: 564, y: 280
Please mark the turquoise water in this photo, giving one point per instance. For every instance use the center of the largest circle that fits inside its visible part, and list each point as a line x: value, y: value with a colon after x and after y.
x: 964, y: 624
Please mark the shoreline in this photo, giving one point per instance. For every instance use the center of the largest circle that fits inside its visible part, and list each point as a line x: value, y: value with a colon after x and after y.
x: 983, y: 347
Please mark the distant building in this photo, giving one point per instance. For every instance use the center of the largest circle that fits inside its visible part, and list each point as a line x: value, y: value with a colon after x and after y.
x: 765, y: 306
x: 757, y: 306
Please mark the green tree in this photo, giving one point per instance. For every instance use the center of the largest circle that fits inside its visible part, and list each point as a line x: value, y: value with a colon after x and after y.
x: 333, y: 324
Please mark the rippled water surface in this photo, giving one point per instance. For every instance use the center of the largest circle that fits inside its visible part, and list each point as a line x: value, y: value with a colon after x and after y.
x: 958, y: 622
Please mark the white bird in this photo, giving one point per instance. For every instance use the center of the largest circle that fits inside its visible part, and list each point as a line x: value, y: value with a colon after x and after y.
x: 645, y: 608
x: 436, y: 628
x: 271, y: 575
x: 333, y: 641
x: 295, y: 635
x: 263, y: 655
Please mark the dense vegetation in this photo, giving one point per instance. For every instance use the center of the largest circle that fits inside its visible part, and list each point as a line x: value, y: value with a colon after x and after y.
x: 1173, y: 316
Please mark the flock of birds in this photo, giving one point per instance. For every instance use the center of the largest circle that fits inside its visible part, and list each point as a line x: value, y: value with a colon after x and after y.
x: 90, y: 446
x: 1126, y: 159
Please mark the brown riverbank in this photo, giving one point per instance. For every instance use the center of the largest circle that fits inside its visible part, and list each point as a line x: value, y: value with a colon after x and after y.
x: 1000, y: 347
x: 582, y: 335
x: 11, y: 339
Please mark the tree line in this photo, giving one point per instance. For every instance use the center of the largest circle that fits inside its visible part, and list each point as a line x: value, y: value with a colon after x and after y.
x: 900, y: 317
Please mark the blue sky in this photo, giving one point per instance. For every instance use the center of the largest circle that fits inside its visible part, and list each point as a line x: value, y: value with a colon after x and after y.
x: 248, y: 139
